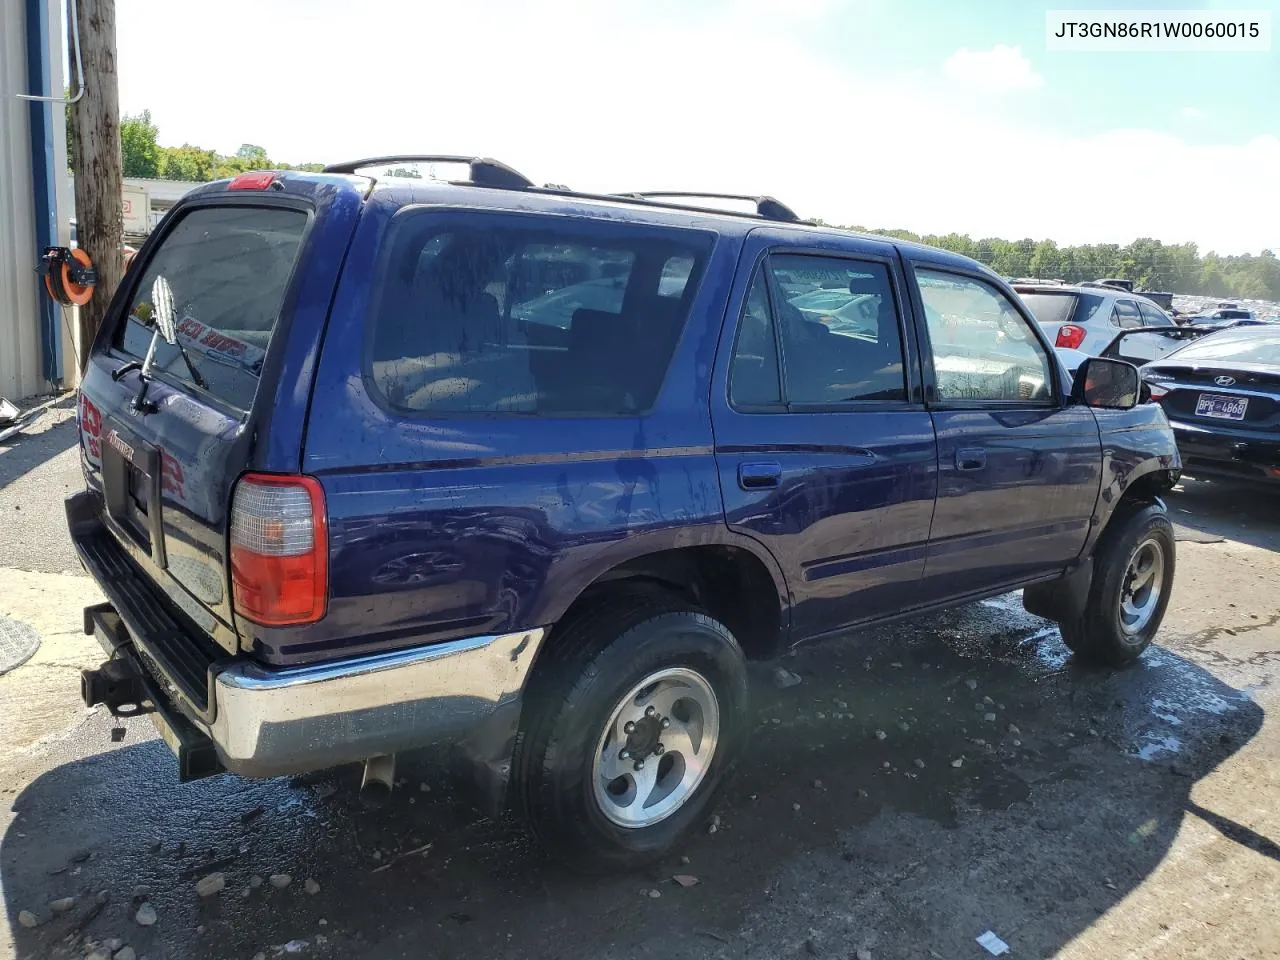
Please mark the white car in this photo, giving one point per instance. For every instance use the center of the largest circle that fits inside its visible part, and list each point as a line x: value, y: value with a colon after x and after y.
x: 1083, y: 321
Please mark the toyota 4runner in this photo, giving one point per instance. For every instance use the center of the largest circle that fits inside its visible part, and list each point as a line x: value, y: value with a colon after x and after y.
x: 375, y: 463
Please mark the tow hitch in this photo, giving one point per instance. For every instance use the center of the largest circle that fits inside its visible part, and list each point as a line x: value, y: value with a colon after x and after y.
x: 127, y: 691
x: 117, y: 685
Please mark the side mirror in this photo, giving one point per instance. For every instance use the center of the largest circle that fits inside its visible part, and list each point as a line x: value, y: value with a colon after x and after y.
x: 1107, y: 384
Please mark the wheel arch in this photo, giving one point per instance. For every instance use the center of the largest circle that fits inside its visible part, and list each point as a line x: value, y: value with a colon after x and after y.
x: 731, y: 577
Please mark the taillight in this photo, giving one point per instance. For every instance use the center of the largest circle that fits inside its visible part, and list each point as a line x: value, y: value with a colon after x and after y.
x: 1070, y: 336
x: 251, y: 181
x: 1157, y: 392
x: 279, y: 549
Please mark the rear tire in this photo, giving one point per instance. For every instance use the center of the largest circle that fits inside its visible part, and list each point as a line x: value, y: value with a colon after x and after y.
x: 626, y: 650
x: 1133, y: 571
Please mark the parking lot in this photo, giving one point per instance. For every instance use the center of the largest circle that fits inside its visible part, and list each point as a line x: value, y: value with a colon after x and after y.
x: 924, y: 783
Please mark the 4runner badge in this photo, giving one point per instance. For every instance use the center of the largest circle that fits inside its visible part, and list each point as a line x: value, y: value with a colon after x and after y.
x: 122, y: 448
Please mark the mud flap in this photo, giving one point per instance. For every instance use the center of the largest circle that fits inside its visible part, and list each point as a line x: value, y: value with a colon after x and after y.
x: 482, y: 760
x: 1061, y: 600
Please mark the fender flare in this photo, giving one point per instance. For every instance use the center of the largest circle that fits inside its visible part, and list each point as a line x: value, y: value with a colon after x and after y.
x: 568, y: 580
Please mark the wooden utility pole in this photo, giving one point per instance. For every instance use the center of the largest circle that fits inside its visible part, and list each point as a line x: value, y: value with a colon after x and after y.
x: 96, y: 162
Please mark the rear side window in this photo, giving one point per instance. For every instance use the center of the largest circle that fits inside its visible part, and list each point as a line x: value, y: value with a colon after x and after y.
x: 529, y: 316
x: 837, y: 323
x: 1126, y: 315
x: 228, y: 268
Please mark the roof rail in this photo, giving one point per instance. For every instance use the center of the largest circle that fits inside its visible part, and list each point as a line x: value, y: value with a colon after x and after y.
x: 484, y: 171
x: 766, y: 207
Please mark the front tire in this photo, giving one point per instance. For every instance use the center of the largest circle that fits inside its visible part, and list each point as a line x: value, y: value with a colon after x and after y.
x: 630, y: 726
x: 1132, y: 582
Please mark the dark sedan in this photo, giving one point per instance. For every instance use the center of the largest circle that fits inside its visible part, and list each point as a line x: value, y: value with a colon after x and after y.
x: 1222, y: 397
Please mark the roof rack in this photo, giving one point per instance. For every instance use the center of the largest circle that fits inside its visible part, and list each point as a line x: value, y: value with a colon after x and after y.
x: 766, y: 207
x: 484, y: 171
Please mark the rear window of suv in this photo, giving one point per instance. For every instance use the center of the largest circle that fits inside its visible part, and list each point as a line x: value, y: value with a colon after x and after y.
x: 524, y: 315
x: 227, y: 268
x: 1062, y: 307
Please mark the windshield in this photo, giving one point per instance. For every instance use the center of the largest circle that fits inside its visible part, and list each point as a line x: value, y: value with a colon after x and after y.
x: 1062, y: 307
x: 1246, y: 345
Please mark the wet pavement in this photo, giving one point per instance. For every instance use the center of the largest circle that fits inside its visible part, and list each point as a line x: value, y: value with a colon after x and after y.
x: 925, y: 782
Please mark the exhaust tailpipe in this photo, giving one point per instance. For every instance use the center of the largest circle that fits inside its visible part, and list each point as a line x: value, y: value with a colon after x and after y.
x: 379, y: 778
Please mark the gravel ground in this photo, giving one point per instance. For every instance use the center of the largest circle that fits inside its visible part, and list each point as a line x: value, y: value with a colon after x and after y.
x: 922, y: 784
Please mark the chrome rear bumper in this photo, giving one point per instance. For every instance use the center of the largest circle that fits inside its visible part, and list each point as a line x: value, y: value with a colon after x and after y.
x: 269, y: 722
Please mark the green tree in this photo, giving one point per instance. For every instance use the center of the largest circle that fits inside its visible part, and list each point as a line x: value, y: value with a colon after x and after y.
x: 1046, y: 260
x: 1151, y: 264
x: 139, y: 145
x: 253, y: 155
x: 187, y: 163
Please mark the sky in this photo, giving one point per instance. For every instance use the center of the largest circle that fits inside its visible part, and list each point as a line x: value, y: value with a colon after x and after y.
x: 929, y: 115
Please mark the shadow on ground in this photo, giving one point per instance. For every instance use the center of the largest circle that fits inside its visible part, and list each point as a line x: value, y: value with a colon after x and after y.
x: 1228, y: 509
x: 24, y: 452
x: 39, y: 469
x: 850, y: 824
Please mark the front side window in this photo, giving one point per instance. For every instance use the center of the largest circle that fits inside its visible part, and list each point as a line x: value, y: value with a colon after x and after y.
x: 983, y: 348
x: 837, y: 323
x: 529, y: 316
x: 227, y: 269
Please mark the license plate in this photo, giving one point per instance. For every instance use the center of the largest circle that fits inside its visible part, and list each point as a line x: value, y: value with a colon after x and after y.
x: 1221, y: 408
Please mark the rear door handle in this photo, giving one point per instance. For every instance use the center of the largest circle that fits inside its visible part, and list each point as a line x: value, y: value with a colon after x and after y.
x: 971, y: 458
x: 759, y: 476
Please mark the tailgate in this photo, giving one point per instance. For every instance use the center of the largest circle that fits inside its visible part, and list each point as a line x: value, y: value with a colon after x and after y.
x: 247, y: 275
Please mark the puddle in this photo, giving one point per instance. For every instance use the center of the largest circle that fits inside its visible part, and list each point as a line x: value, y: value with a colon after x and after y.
x: 1195, y: 688
x: 1158, y: 747
x: 1007, y: 603
x: 1046, y: 643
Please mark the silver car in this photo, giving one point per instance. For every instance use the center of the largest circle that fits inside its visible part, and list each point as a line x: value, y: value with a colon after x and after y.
x: 1083, y: 321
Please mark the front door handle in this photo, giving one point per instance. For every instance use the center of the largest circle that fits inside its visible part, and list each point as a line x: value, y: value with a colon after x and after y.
x: 759, y: 476
x: 971, y: 458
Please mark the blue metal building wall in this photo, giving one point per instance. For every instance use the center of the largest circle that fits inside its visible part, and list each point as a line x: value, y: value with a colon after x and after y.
x: 44, y: 194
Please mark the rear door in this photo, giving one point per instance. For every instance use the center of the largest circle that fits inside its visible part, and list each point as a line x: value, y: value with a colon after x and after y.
x: 244, y: 270
x: 825, y: 451
x: 1018, y: 468
x: 1141, y: 347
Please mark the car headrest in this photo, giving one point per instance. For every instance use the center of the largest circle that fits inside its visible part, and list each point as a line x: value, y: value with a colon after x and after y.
x: 860, y: 286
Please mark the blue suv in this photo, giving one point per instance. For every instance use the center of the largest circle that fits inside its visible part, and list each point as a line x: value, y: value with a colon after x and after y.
x: 379, y: 463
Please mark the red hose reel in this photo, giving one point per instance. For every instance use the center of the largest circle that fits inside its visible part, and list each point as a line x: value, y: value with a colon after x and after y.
x: 69, y: 275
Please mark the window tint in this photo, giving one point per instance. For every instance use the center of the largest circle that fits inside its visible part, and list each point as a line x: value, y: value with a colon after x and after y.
x: 753, y: 374
x: 1151, y: 316
x: 227, y: 268
x: 838, y: 321
x: 1063, y: 307
x: 983, y: 349
x: 529, y: 316
x: 1126, y: 314
x: 838, y: 324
